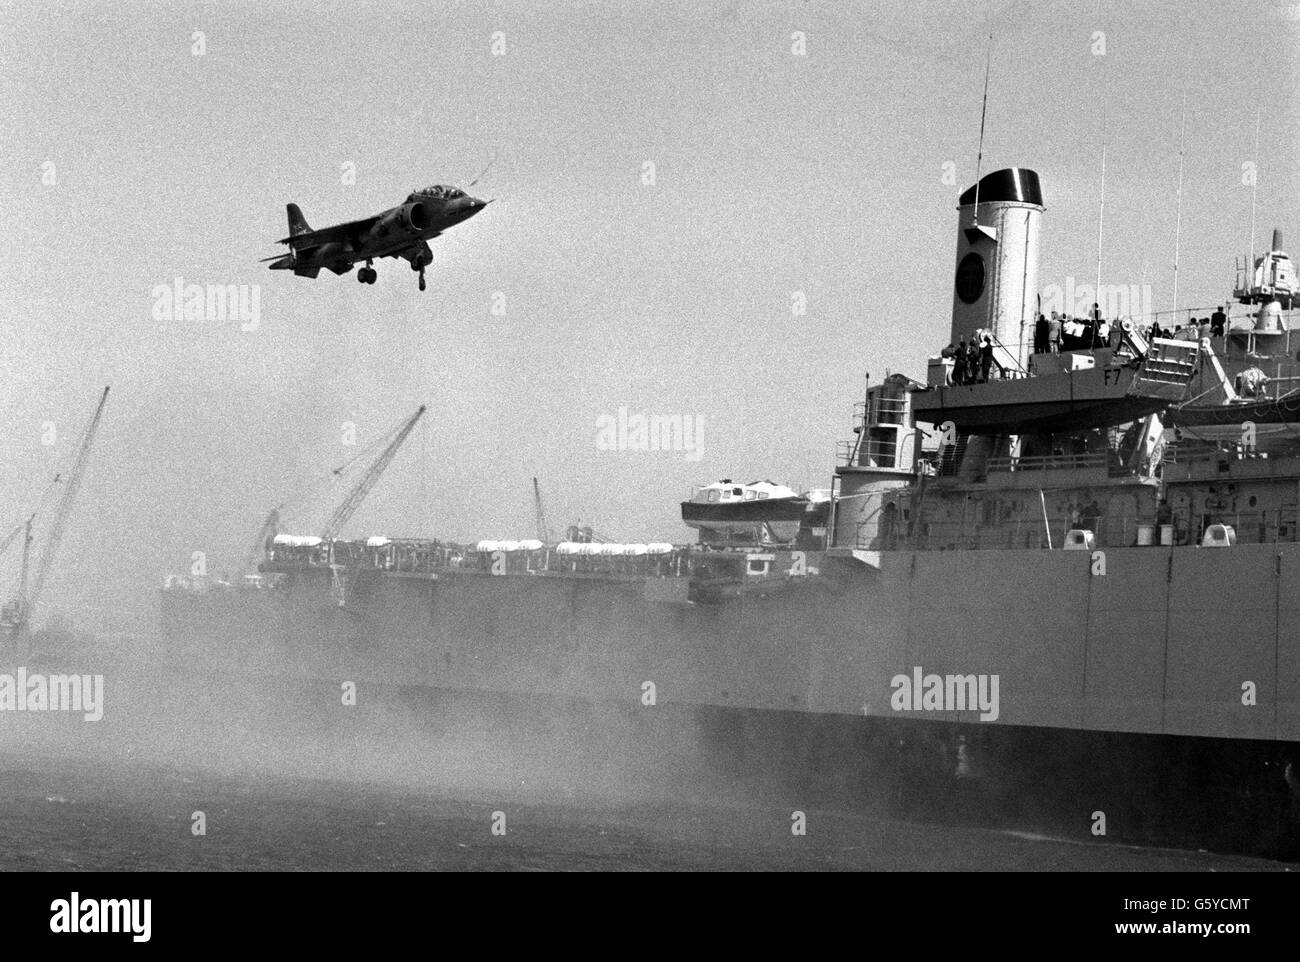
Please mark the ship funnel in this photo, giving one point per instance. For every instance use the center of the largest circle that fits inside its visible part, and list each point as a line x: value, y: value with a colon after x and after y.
x: 997, y: 260
x: 1277, y: 240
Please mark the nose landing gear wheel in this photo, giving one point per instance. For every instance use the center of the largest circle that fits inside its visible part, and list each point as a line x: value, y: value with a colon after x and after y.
x: 367, y: 275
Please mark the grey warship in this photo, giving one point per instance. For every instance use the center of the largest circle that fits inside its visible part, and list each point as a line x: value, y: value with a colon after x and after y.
x: 1027, y: 592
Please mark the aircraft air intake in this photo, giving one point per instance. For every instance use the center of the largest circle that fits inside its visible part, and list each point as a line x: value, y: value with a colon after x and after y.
x: 414, y: 218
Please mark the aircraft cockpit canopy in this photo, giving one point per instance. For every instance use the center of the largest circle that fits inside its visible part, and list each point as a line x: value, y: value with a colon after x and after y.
x: 442, y: 192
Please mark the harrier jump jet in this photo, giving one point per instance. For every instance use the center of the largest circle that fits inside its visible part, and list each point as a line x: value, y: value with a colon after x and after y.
x: 403, y: 231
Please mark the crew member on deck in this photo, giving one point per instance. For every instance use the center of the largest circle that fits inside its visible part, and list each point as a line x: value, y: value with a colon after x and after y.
x: 1218, y: 322
x: 1054, y: 333
x: 986, y: 358
x: 949, y: 354
x: 1042, y: 335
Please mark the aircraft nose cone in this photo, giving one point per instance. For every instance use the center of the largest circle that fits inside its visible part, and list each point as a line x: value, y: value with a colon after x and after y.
x: 467, y: 207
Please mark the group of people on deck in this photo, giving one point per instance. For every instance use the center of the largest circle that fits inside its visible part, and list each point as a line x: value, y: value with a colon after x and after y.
x: 1216, y: 325
x: 972, y: 359
x: 1061, y: 332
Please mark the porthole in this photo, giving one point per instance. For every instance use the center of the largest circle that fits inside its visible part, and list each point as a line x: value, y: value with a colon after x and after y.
x: 970, y: 278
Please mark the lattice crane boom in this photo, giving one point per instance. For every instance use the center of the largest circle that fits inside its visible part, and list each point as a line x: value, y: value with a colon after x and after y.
x: 543, y: 532
x: 61, y: 512
x: 343, y: 513
x: 269, y: 528
x: 8, y: 539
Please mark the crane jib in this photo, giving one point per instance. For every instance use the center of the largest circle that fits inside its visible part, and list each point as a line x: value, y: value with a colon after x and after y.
x: 362, y: 488
x: 25, y: 604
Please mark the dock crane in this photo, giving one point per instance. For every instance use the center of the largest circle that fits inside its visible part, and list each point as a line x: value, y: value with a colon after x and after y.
x: 343, y: 513
x: 543, y: 532
x: 390, y: 442
x: 270, y: 527
x: 10, y: 613
x: 14, y: 532
x: 18, y: 613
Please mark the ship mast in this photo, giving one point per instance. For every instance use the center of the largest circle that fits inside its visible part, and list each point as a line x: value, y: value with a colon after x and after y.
x: 1101, y: 207
x: 1254, y: 193
x: 1178, y: 228
x: 1101, y: 203
x: 979, y: 157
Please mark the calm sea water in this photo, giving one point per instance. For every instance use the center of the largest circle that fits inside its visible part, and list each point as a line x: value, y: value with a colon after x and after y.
x: 140, y: 817
x: 286, y: 777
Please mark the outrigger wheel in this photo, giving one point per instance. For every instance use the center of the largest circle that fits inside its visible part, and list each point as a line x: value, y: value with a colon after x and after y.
x: 418, y: 264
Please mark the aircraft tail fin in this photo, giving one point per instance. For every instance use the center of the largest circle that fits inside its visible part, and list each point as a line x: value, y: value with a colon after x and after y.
x: 297, y: 223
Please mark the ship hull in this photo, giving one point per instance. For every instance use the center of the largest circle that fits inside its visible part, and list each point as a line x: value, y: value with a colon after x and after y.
x: 1160, y: 644
x: 1170, y: 658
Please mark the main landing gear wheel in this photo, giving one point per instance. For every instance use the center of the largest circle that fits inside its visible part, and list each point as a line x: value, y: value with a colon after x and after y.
x: 367, y: 275
x: 419, y: 264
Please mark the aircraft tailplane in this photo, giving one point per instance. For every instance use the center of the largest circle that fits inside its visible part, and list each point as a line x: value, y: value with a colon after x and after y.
x: 297, y: 223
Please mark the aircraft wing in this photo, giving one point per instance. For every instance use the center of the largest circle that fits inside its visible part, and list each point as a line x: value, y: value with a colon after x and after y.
x: 339, y: 232
x: 297, y: 250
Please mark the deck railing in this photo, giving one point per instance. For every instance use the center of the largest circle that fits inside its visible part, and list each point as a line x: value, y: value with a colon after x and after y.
x: 1181, y: 526
x: 1050, y: 462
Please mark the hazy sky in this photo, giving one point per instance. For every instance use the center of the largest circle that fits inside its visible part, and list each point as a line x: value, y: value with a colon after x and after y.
x: 774, y: 173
